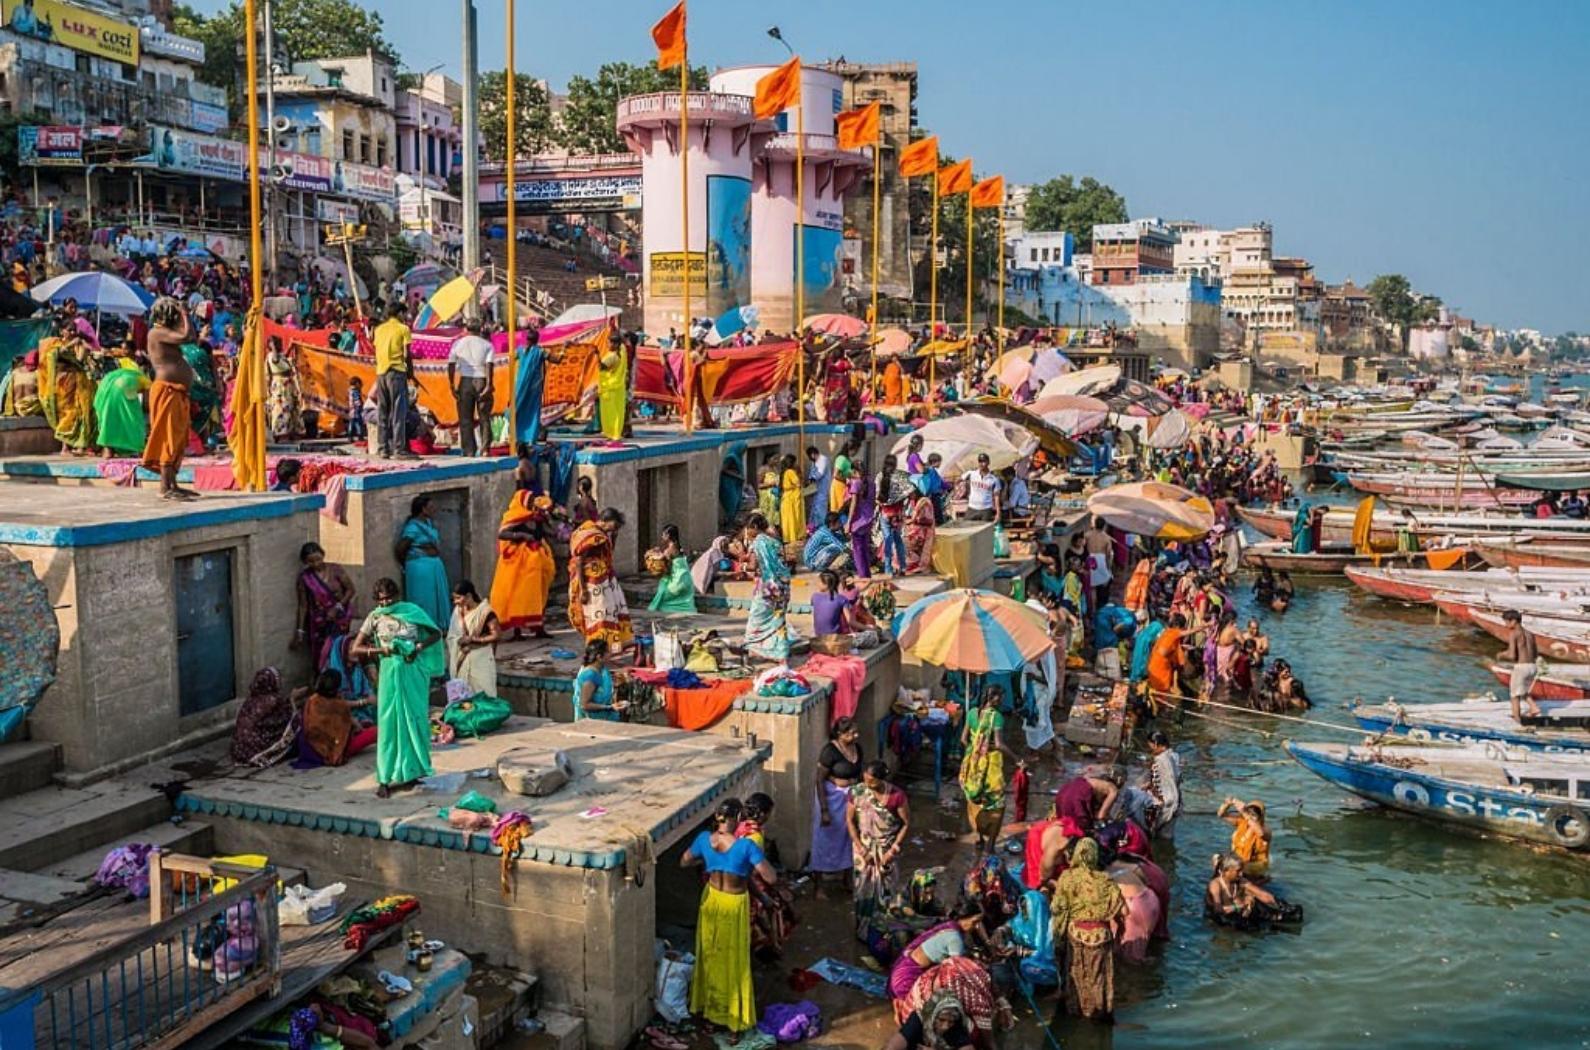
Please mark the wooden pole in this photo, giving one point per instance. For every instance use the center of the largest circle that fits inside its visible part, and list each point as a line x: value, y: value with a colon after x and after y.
x: 800, y: 271
x: 933, y: 293
x: 966, y: 354
x: 513, y: 237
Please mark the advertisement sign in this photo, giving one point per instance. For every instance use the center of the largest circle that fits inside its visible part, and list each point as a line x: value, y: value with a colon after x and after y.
x: 49, y: 146
x: 55, y: 22
x: 728, y: 242
x: 207, y: 117
x: 308, y: 173
x: 364, y: 182
x: 192, y: 154
x: 336, y: 212
x: 667, y: 273
x: 549, y: 196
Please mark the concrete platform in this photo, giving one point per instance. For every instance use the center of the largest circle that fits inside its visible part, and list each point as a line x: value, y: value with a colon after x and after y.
x: 51, y: 516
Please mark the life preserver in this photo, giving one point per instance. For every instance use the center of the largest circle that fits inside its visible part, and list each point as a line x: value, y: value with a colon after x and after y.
x: 1411, y: 793
x: 1421, y: 735
x: 1569, y: 826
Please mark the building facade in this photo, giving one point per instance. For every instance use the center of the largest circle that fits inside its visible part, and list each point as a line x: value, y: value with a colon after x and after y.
x: 1124, y: 252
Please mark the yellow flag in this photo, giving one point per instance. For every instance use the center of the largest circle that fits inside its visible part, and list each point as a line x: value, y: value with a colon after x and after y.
x: 669, y: 36
x: 779, y: 90
x: 247, y: 439
x: 920, y: 158
x: 857, y: 128
x: 957, y: 178
x: 990, y: 193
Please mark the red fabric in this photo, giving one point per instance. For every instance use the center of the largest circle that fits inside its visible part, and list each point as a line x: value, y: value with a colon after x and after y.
x: 849, y: 674
x: 1018, y: 788
x: 694, y: 709
x: 1032, y: 868
x: 359, y: 933
x: 728, y: 376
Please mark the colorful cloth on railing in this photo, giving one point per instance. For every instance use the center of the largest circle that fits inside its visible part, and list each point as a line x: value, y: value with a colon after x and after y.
x: 729, y: 375
x: 359, y: 925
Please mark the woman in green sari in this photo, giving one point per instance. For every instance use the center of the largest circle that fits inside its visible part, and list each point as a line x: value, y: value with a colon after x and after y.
x: 408, y: 644
x: 676, y: 591
x: 204, y: 394
x: 119, y: 410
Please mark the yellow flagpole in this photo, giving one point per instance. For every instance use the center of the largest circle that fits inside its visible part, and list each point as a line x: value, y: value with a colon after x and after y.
x: 686, y: 403
x: 966, y: 354
x: 513, y: 237
x: 877, y: 193
x: 800, y: 266
x: 256, y: 268
x: 933, y: 289
x: 999, y: 336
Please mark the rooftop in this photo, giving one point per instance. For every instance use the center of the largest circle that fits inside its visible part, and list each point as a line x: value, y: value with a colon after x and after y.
x: 47, y: 515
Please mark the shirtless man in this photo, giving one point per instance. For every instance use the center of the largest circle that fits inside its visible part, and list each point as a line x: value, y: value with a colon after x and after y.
x: 1520, y: 653
x: 169, y: 410
x: 1230, y: 893
x: 1096, y: 541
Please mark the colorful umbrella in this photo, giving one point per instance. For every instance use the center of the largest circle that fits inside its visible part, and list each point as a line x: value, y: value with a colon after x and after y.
x: 1154, y: 509
x: 842, y: 326
x: 893, y: 341
x: 1098, y: 380
x: 1048, y: 363
x: 960, y: 439
x: 974, y: 631
x: 1171, y: 430
x: 1073, y: 413
x: 94, y: 290
x: 446, y: 302
x: 1013, y: 367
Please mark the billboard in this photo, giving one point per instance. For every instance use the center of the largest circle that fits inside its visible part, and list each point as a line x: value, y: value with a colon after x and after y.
x: 49, y: 146
x: 209, y: 117
x: 71, y: 26
x: 363, y: 182
x: 543, y: 196
x: 823, y: 280
x: 191, y: 154
x: 728, y: 242
x: 666, y: 277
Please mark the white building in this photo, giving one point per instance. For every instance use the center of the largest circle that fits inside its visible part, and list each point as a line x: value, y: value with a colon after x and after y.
x: 1036, y: 250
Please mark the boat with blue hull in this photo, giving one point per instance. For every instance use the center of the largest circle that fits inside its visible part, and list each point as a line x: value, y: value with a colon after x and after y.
x: 1559, y: 730
x: 1532, y: 796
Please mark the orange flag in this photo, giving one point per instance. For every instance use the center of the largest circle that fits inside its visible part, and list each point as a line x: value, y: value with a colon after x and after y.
x: 669, y: 35
x: 779, y: 90
x: 990, y: 193
x: 858, y: 127
x: 920, y: 158
x: 957, y: 178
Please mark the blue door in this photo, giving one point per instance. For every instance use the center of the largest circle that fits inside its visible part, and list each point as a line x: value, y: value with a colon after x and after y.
x: 206, y: 668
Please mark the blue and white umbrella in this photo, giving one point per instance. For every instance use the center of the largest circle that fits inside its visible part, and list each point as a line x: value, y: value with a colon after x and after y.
x: 93, y: 290
x: 734, y: 321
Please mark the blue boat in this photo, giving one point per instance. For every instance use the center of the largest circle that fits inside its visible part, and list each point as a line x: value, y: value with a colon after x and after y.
x: 1483, y: 721
x: 1524, y: 795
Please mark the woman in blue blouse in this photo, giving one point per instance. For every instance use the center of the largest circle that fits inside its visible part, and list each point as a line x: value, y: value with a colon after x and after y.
x: 720, y: 987
x: 593, y: 686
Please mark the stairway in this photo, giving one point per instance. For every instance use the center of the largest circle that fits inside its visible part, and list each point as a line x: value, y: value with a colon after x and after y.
x: 53, y: 838
x: 542, y: 268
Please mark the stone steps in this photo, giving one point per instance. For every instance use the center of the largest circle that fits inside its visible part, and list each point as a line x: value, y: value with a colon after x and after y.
x: 26, y: 766
x: 49, y: 825
x: 193, y: 837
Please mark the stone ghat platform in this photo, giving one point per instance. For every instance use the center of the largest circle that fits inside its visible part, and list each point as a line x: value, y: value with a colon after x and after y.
x: 578, y: 908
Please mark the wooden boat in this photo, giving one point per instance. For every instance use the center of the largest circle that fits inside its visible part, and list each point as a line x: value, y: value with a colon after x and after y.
x: 1556, y: 682
x: 1422, y: 585
x: 1468, y: 499
x: 1567, y: 640
x: 1533, y: 555
x: 1338, y: 526
x: 1331, y: 560
x: 1524, y: 795
x: 1561, y: 729
x: 1551, y: 481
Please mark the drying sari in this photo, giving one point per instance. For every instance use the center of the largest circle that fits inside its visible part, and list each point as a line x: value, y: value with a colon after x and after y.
x: 327, y: 617
x: 878, y: 825
x: 525, y: 569
x: 204, y: 393
x: 477, y: 668
x: 612, y: 393
x: 920, y: 529
x: 282, y: 401
x: 424, y: 574
x: 67, y: 393
x: 767, y: 626
x: 791, y: 508
x: 528, y: 393
x: 597, y: 607
x: 120, y: 412
x: 982, y: 773
x: 676, y: 591
x: 403, y: 723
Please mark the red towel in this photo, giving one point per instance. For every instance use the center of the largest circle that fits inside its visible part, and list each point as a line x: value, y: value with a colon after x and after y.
x: 849, y: 674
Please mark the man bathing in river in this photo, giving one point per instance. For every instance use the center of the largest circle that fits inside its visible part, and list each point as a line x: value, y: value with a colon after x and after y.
x: 1521, y: 654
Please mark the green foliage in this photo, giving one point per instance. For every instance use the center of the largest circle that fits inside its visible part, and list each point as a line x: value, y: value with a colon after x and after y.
x: 533, y: 129
x: 952, y: 247
x: 588, y: 121
x: 1076, y: 207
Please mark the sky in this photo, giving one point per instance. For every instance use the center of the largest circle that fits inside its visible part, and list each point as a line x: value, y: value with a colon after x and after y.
x: 1447, y: 141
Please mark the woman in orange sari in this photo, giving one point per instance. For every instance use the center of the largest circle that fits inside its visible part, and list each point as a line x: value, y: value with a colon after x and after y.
x: 525, y: 568
x: 597, y: 608
x: 1137, y: 586
x: 893, y: 383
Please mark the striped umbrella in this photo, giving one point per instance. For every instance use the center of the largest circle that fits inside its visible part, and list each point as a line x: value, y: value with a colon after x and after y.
x: 1154, y: 509
x: 974, y: 631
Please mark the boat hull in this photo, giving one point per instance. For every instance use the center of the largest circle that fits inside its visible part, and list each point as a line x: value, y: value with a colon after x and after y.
x: 1406, y: 721
x: 1476, y: 807
x: 1323, y: 563
x: 1557, y: 644
x: 1526, y: 556
x: 1548, y: 686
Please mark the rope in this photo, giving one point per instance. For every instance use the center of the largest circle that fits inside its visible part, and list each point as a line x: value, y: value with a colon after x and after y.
x: 1355, y: 730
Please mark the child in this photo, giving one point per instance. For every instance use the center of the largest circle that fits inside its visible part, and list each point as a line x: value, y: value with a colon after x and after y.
x: 772, y: 906
x: 356, y: 427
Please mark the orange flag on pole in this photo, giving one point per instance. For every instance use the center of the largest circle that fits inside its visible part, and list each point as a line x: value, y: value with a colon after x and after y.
x: 920, y: 158
x: 990, y: 193
x: 957, y: 178
x: 669, y: 36
x: 857, y: 128
x: 779, y: 90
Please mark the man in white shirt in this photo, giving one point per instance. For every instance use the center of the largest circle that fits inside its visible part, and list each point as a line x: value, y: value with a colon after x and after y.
x: 127, y: 246
x: 150, y: 246
x: 469, y: 374
x: 982, y: 492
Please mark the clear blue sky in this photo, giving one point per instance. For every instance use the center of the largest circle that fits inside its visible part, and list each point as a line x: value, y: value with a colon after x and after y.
x: 1449, y: 141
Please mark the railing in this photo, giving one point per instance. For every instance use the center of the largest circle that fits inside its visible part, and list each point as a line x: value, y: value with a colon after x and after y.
x: 159, y: 987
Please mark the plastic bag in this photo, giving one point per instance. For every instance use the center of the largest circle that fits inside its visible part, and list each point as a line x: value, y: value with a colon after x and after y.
x: 668, y: 650
x: 673, y: 984
x: 476, y: 802
x: 302, y: 906
x: 478, y: 715
x: 1001, y: 542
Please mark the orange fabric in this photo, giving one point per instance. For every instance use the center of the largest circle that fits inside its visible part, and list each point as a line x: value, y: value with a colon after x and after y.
x: 168, y: 425
x: 856, y: 128
x: 920, y: 158
x: 1445, y: 559
x: 1137, y: 587
x: 669, y: 36
x: 1164, y: 659
x: 957, y: 178
x: 523, y: 580
x: 990, y: 193
x: 779, y: 90
x: 700, y: 708
x: 893, y: 384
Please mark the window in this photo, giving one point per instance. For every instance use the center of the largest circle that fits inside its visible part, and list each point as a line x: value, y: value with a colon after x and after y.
x: 380, y: 153
x: 347, y: 144
x: 1033, y: 252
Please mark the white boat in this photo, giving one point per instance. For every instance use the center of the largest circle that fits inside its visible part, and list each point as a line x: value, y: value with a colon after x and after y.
x: 1559, y: 730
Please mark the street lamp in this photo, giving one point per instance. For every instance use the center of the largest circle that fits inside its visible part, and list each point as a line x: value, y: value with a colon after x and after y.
x: 773, y: 31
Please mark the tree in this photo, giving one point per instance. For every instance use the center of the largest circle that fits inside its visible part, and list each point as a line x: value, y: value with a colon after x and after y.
x: 589, y: 120
x: 1076, y: 207
x: 305, y: 30
x: 533, y: 127
x: 1395, y: 302
x: 952, y: 246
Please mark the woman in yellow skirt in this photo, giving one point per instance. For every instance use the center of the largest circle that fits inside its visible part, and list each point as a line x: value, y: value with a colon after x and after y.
x: 720, y: 986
